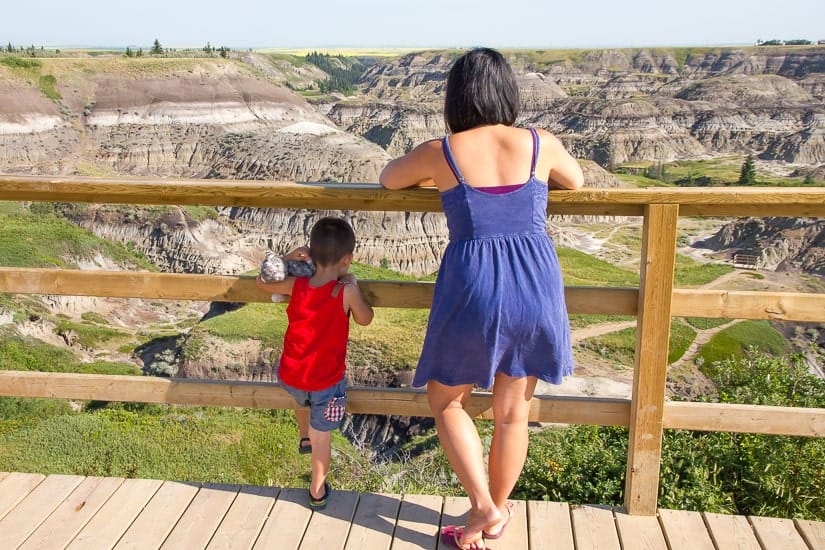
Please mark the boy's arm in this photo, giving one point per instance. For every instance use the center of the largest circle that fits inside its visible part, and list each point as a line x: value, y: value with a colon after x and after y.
x: 276, y: 287
x: 355, y: 302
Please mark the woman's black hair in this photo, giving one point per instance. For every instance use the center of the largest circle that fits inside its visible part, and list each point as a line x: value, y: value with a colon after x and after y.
x: 481, y: 90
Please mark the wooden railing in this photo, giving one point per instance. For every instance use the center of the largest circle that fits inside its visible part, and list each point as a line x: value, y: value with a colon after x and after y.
x: 654, y: 303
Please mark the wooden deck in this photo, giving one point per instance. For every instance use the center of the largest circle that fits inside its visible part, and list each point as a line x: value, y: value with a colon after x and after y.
x: 76, y: 512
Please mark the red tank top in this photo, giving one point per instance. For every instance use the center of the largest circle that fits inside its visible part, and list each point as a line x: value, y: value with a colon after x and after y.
x: 315, y: 343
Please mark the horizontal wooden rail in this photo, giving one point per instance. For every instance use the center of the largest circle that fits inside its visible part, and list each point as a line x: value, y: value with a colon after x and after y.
x: 724, y: 417
x: 781, y: 306
x: 407, y: 402
x: 726, y: 201
x: 360, y: 400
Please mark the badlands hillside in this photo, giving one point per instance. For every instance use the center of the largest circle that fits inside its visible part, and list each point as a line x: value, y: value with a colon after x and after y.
x: 257, y: 116
x: 262, y: 116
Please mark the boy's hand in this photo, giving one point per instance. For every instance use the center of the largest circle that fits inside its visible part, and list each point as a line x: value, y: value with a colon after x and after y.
x: 300, y: 254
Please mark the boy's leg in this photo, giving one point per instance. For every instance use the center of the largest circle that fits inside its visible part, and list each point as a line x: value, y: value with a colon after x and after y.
x: 302, y: 416
x: 321, y: 452
x: 326, y: 414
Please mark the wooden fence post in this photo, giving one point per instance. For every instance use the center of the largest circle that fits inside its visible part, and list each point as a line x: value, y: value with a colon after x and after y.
x: 644, y: 451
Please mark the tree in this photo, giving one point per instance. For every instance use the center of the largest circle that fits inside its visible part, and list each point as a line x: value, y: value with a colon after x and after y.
x: 157, y: 48
x: 748, y: 174
x: 224, y: 51
x: 129, y: 52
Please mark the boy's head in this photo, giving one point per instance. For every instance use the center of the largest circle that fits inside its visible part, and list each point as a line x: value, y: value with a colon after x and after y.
x: 330, y: 240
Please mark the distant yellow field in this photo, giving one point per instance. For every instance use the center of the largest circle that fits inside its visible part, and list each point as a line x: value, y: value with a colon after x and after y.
x: 347, y: 52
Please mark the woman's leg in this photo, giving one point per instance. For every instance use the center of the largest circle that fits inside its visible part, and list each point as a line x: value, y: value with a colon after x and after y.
x: 508, y: 450
x: 462, y: 445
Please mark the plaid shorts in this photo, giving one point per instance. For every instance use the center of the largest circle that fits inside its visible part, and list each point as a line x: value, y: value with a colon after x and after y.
x: 326, y: 407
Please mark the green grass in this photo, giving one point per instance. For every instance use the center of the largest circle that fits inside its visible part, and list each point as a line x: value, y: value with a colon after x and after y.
x: 690, y: 273
x: 30, y: 354
x: 581, y: 269
x: 91, y: 336
x: 45, y: 240
x: 736, y: 340
x: 582, y: 320
x: 716, y: 171
x: 620, y: 346
x: 705, y: 323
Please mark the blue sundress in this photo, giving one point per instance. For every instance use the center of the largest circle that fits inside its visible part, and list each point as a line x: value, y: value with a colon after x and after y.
x: 498, y: 304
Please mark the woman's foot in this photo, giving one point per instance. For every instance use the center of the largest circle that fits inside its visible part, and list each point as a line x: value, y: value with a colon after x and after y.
x: 472, y: 535
x: 497, y: 530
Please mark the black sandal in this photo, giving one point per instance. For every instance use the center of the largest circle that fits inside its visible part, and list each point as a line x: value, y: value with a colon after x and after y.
x: 304, y: 449
x: 320, y: 503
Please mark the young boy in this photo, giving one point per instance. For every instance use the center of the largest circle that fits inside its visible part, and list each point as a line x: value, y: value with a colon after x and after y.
x: 315, y: 344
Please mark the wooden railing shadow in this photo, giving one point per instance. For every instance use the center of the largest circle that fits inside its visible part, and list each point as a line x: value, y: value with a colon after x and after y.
x: 654, y: 303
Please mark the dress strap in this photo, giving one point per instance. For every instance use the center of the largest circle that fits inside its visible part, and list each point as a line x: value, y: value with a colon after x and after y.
x: 535, y: 151
x: 448, y: 154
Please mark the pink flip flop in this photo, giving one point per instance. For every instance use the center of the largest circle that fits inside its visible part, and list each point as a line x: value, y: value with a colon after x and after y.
x: 451, y: 535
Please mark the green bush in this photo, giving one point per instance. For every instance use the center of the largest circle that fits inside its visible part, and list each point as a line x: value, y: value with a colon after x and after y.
x: 750, y: 474
x: 735, y: 340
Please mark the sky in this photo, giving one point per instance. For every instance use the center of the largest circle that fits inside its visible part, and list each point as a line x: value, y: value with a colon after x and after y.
x: 419, y: 24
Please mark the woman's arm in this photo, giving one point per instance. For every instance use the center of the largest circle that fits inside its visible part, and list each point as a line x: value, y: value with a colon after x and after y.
x: 565, y: 172
x: 415, y: 169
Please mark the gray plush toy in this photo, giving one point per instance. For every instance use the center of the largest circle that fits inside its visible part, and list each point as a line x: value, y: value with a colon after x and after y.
x: 274, y: 268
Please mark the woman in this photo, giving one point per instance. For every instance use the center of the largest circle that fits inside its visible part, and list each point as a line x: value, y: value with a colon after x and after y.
x: 498, y: 317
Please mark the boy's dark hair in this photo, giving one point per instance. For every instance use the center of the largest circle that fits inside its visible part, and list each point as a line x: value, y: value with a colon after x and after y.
x: 330, y: 240
x: 481, y: 90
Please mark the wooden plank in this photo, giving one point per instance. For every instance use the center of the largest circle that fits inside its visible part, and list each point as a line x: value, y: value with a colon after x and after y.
x: 374, y: 522
x: 329, y: 528
x: 725, y: 417
x: 287, y: 521
x: 813, y: 532
x: 685, y: 530
x: 418, y: 521
x: 454, y: 513
x: 594, y: 528
x: 741, y: 304
x: 244, y: 519
x: 28, y: 514
x: 777, y: 533
x: 116, y: 515
x: 639, y: 532
x: 15, y: 487
x: 731, y: 532
x: 650, y: 365
x: 516, y: 534
x: 385, y: 401
x: 73, y: 513
x: 550, y: 525
x: 160, y: 515
x: 195, y: 527
x: 224, y: 288
x: 728, y: 201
